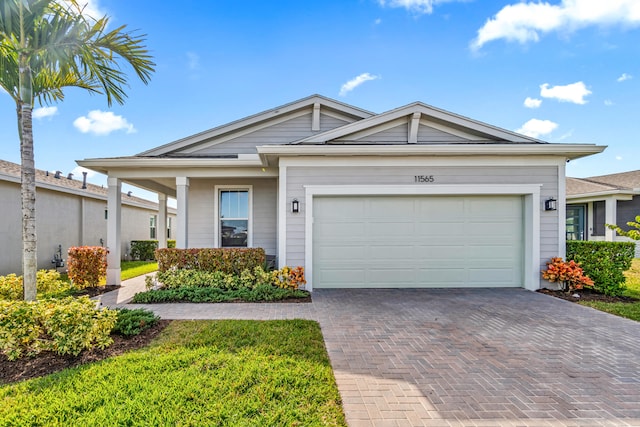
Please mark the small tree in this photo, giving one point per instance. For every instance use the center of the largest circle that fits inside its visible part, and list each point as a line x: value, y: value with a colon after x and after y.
x: 46, y: 46
x: 632, y: 234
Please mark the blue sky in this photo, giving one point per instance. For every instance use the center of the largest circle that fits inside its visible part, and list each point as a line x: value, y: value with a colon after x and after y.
x: 562, y: 71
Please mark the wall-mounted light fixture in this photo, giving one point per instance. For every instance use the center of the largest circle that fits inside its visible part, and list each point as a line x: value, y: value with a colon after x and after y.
x: 550, y: 204
x: 295, y: 206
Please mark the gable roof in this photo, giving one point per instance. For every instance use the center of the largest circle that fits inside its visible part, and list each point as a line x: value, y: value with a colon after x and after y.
x: 623, y: 183
x: 44, y: 179
x: 629, y: 179
x: 255, y: 120
x: 419, y: 114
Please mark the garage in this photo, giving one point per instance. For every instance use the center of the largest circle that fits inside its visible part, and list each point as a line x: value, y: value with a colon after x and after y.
x: 423, y: 241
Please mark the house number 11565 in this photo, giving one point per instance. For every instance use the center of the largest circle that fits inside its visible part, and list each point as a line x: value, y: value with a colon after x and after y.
x: 424, y: 178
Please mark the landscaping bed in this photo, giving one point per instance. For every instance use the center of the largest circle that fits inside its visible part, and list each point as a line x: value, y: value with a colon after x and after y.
x: 49, y: 362
x: 588, y: 295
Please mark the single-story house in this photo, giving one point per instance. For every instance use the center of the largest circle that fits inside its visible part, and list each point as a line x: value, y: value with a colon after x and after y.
x: 69, y: 212
x: 413, y: 197
x: 598, y: 200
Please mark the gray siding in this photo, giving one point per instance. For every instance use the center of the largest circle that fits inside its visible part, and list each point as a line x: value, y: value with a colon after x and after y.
x: 202, y: 214
x: 62, y: 219
x: 627, y: 211
x: 281, y: 133
x: 298, y: 177
x: 599, y: 211
x: 428, y: 135
x: 400, y: 135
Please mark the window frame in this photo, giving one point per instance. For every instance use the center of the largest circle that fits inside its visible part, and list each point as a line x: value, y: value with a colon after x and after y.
x: 216, y: 209
x: 153, y: 227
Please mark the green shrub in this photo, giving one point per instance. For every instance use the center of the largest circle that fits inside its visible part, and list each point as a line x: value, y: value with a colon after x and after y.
x: 143, y: 250
x: 47, y: 281
x: 227, y: 260
x: 247, y: 279
x: 65, y: 326
x: 171, y: 243
x: 87, y: 265
x: 603, y: 262
x: 133, y: 322
x: 262, y: 292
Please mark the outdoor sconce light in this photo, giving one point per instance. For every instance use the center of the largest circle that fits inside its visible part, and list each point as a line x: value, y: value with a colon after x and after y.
x: 295, y: 206
x: 550, y: 204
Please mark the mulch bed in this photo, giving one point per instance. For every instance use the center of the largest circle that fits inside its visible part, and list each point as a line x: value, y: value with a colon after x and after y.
x: 49, y: 362
x: 96, y: 290
x: 586, y: 295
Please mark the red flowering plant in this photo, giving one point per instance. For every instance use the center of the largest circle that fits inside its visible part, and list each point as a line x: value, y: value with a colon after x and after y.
x: 568, y: 273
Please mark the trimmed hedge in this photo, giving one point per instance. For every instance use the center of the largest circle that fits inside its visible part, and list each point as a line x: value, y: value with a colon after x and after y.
x: 226, y: 260
x: 87, y: 265
x: 603, y: 262
x: 144, y: 250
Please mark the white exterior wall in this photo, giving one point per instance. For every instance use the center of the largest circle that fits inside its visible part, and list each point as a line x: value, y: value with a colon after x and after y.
x: 202, y: 214
x: 358, y: 173
x: 59, y: 221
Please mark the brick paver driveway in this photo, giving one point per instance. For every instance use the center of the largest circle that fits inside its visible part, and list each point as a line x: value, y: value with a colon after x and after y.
x: 483, y: 357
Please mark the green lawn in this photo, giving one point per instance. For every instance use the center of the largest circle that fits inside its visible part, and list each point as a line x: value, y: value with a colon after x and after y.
x: 129, y: 269
x: 630, y: 311
x: 132, y: 269
x: 248, y: 373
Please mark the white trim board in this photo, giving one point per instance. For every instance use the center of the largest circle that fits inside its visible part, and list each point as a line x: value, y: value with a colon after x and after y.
x: 532, y: 206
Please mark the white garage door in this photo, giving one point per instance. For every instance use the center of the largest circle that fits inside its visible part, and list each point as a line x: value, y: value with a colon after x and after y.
x: 417, y: 241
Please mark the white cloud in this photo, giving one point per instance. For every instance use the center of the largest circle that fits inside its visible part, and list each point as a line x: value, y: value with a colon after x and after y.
x: 355, y: 82
x: 90, y: 8
x: 193, y: 60
x: 608, y: 102
x: 42, y: 112
x: 535, y: 128
x: 102, y: 123
x: 532, y: 102
x: 525, y: 22
x: 77, y: 172
x: 417, y: 6
x: 618, y: 157
x: 624, y: 77
x: 574, y: 92
x: 377, y: 21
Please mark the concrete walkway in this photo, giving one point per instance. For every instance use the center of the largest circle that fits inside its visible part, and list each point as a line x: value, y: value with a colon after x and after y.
x: 485, y: 357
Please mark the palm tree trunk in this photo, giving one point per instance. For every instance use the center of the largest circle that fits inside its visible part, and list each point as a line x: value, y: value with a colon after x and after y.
x: 28, y: 175
x: 28, y: 195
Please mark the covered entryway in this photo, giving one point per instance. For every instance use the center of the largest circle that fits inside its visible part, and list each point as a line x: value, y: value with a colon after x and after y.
x: 418, y: 241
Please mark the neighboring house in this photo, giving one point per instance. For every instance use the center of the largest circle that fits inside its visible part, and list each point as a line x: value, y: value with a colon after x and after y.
x: 413, y: 197
x: 69, y: 213
x: 598, y: 200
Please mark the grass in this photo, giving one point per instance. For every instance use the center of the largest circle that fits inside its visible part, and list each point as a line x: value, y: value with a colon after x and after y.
x: 227, y: 372
x: 130, y: 269
x: 628, y: 310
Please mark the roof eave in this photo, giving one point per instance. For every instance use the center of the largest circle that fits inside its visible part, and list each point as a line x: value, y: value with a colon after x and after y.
x: 104, y: 165
x: 269, y: 153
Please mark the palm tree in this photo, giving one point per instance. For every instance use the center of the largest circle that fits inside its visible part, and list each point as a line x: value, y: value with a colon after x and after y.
x: 45, y: 46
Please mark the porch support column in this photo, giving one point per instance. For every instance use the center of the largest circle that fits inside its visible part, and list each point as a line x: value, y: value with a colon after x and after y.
x: 182, y: 184
x: 609, y: 218
x: 114, y: 221
x: 162, y: 220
